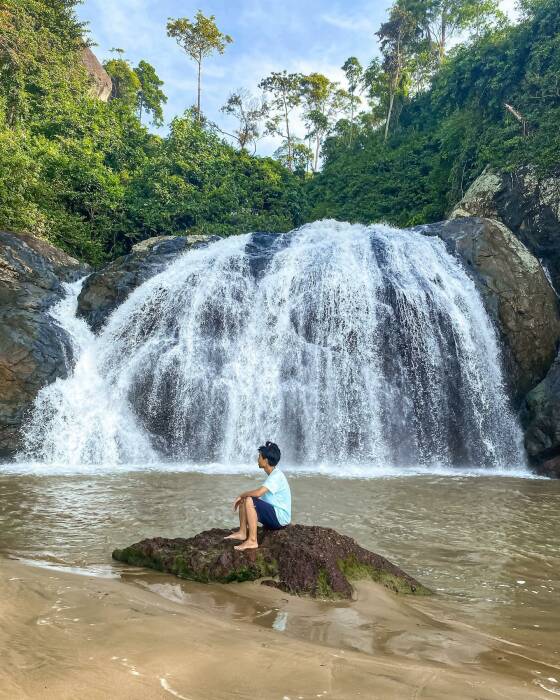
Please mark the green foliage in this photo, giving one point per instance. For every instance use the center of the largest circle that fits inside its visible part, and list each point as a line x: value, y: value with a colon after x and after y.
x: 150, y: 97
x: 138, y: 88
x: 450, y: 132
x: 354, y: 73
x: 39, y: 42
x: 196, y: 182
x: 440, y: 20
x: 322, y: 100
x: 88, y: 176
x: 198, y: 39
x: 126, y: 84
x: 285, y: 94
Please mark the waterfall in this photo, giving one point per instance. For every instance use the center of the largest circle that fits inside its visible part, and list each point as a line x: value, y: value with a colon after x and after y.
x: 346, y: 344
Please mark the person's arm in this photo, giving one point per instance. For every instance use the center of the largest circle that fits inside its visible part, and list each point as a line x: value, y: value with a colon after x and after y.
x: 257, y: 493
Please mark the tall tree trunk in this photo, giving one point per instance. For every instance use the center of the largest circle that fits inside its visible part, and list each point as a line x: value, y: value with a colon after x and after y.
x: 317, y: 146
x: 199, y: 113
x: 288, y: 137
x: 442, y: 38
x: 394, y: 85
x: 389, y: 113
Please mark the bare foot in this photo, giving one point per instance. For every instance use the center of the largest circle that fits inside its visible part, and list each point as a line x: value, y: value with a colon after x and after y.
x: 236, y: 536
x: 246, y: 545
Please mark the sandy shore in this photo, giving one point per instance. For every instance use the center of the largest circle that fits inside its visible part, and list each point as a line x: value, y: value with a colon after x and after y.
x: 64, y: 635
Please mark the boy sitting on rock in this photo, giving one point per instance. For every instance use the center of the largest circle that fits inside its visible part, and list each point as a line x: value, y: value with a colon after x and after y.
x: 270, y: 504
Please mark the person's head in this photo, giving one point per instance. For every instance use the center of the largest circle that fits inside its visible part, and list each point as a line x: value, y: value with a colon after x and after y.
x: 269, y: 455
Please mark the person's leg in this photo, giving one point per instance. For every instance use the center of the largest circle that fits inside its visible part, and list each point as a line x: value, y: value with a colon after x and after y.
x: 240, y: 534
x: 251, y: 515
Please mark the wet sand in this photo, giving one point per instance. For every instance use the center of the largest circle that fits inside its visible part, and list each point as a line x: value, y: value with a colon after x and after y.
x: 487, y: 545
x: 65, y: 635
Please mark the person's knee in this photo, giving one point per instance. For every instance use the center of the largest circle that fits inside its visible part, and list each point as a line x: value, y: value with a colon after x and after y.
x: 249, y: 503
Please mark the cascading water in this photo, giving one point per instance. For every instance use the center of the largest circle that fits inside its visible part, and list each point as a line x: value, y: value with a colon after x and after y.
x: 344, y: 343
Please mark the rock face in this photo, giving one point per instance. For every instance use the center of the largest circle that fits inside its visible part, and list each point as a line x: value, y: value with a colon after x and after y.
x: 541, y: 419
x: 299, y: 559
x: 527, y: 204
x: 33, y: 349
x: 516, y: 292
x: 102, y: 85
x: 106, y: 289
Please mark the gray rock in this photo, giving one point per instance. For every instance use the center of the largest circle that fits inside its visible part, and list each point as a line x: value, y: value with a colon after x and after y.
x: 541, y: 419
x: 107, y: 288
x: 528, y: 204
x: 516, y: 293
x: 33, y: 349
x: 101, y: 83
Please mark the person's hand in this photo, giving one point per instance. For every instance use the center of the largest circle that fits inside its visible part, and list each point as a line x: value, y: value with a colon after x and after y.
x: 236, y: 503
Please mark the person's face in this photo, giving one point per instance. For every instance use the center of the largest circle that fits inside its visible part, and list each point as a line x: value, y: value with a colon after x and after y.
x: 262, y: 462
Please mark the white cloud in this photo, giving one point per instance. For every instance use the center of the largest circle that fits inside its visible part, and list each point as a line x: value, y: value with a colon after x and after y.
x: 346, y: 22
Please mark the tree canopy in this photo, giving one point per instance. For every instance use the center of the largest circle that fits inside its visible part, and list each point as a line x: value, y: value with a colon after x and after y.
x: 442, y: 134
x: 452, y: 88
x: 199, y: 39
x: 88, y: 175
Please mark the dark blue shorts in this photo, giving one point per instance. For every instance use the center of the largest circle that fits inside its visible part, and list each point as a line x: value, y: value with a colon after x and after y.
x: 266, y: 515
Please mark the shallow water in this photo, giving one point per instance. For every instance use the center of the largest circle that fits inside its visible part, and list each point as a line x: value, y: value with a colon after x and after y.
x: 488, y: 545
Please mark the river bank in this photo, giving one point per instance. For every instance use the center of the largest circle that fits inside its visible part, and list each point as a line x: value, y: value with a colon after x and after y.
x: 66, y: 635
x: 486, y: 544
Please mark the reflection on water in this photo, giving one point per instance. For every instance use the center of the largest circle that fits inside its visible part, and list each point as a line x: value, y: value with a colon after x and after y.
x: 489, y: 546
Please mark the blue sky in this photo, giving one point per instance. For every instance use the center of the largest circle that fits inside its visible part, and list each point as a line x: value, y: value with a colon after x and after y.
x: 296, y: 35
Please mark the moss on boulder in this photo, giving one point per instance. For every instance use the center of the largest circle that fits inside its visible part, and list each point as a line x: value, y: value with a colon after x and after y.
x: 300, y: 559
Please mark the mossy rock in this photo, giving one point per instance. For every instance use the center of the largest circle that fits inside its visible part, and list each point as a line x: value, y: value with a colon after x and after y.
x: 300, y: 559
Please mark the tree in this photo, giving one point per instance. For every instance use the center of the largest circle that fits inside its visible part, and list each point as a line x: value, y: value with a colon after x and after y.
x: 440, y: 20
x: 354, y: 74
x: 199, y: 40
x: 374, y: 84
x: 396, y: 37
x: 300, y: 156
x: 198, y: 182
x: 150, y: 97
x: 285, y: 89
x: 126, y: 84
x: 323, y: 100
x: 250, y: 112
x: 452, y: 130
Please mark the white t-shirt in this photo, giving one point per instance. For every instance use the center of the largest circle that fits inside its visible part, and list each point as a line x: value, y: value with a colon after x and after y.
x: 279, y: 495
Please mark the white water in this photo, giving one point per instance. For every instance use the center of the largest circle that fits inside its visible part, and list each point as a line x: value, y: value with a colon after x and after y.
x: 355, y: 348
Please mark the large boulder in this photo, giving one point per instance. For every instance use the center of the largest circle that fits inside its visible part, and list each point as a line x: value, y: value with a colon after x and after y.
x: 527, y: 203
x: 300, y: 559
x: 101, y: 83
x: 107, y: 288
x: 541, y: 420
x: 516, y: 293
x: 33, y: 348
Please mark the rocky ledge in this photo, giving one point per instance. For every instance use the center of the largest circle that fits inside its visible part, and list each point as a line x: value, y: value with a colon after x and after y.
x: 527, y: 203
x: 107, y: 288
x: 540, y: 416
x: 301, y: 560
x: 34, y: 350
x: 516, y: 294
